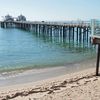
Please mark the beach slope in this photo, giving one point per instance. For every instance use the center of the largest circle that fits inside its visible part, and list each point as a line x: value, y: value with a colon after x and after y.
x: 82, y: 85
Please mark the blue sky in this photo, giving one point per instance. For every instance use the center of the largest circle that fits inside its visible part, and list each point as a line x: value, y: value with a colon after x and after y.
x: 56, y: 10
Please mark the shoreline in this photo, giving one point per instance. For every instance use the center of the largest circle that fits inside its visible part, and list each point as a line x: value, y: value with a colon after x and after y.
x: 23, y: 69
x: 34, y: 75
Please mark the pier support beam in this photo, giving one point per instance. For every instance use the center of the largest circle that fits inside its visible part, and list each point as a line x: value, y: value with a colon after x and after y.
x: 77, y: 34
x: 73, y: 33
x: 87, y: 34
x: 80, y: 33
x: 70, y: 32
x: 98, y: 58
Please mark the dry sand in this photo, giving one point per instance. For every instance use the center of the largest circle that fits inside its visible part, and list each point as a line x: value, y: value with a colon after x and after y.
x: 81, y: 85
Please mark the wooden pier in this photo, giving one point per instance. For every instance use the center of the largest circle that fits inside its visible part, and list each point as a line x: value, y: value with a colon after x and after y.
x: 70, y: 31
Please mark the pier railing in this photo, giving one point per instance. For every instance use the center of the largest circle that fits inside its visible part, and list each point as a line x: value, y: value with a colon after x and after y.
x: 70, y: 23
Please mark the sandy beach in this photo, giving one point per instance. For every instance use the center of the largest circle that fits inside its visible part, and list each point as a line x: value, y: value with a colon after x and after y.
x: 81, y: 85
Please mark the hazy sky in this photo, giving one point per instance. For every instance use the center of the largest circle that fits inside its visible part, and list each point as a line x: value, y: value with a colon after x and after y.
x: 52, y: 9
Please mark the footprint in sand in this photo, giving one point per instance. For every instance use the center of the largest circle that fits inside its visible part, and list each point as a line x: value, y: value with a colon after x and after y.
x: 83, y: 82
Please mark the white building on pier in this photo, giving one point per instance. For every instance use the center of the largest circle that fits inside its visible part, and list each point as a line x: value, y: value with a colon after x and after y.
x: 21, y: 18
x: 8, y: 18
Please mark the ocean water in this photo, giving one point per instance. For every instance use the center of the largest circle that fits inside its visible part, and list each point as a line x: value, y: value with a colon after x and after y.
x: 21, y: 49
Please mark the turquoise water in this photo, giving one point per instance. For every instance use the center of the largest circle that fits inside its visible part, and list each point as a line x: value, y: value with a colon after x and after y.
x: 24, y: 50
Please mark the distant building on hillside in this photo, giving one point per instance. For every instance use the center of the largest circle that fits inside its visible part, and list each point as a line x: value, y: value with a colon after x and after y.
x: 8, y: 18
x: 21, y: 18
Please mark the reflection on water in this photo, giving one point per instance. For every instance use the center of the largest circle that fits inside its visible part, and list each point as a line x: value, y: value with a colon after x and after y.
x: 22, y: 49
